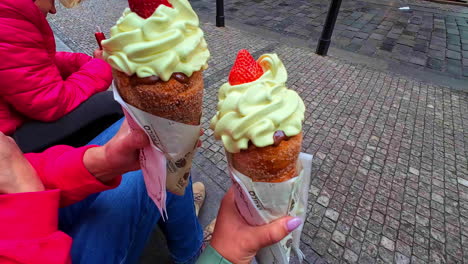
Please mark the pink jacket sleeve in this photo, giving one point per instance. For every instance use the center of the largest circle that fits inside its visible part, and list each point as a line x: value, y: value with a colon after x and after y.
x: 61, y: 167
x: 29, y: 229
x: 29, y: 221
x: 70, y: 62
x: 31, y: 74
x: 36, y: 88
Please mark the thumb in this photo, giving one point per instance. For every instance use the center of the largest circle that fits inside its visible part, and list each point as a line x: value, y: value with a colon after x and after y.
x: 134, y: 140
x: 275, y: 231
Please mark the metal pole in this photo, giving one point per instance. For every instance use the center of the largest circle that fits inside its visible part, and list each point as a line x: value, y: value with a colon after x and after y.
x: 325, y: 39
x: 219, y: 13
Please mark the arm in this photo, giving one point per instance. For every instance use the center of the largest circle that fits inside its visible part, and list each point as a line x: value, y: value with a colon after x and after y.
x: 210, y: 255
x: 32, y: 83
x: 62, y: 167
x: 70, y: 62
x: 83, y: 171
x: 236, y: 241
x: 29, y: 230
x: 28, y: 214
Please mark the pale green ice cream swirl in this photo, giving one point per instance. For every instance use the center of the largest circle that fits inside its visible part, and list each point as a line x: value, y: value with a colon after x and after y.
x: 167, y: 42
x: 254, y: 111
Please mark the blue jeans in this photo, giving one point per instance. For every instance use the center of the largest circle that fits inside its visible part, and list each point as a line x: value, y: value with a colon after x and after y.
x: 114, y: 226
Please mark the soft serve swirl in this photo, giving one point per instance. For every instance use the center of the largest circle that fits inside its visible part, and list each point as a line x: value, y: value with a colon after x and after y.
x: 169, y: 41
x: 255, y: 111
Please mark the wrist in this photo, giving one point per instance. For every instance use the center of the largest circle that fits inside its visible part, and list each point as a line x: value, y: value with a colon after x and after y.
x: 39, y: 187
x: 229, y: 252
x: 24, y: 187
x: 96, y: 163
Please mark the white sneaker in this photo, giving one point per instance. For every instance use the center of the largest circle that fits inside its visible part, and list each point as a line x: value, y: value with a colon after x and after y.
x: 199, y: 195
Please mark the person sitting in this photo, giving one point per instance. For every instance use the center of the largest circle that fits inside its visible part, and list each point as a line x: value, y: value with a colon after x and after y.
x: 48, y: 97
x: 33, y: 186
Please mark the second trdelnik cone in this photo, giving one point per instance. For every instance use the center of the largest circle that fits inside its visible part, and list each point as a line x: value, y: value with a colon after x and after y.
x: 158, y: 53
x: 259, y: 119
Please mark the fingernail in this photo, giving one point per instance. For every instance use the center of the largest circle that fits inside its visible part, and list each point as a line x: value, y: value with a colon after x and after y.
x: 293, y: 223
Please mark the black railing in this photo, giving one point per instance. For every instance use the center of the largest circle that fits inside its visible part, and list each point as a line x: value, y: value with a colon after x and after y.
x: 325, y: 39
x: 219, y: 13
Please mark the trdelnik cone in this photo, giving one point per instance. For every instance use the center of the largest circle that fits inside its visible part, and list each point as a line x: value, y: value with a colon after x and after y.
x: 259, y: 121
x: 158, y: 53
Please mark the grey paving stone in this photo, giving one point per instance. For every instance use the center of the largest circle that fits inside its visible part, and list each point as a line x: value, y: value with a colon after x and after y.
x: 437, y: 235
x: 377, y: 36
x: 414, y: 171
x: 453, y: 31
x: 387, y: 47
x: 353, y: 47
x: 437, y: 54
x: 403, y: 247
x: 454, y: 47
x: 335, y: 250
x: 422, y: 47
x: 387, y: 243
x: 366, y: 259
x: 453, y: 55
x: 390, y: 232
x: 353, y: 244
x: 323, y: 200
x: 417, y: 260
x: 453, y: 42
x: 328, y: 224
x: 332, y: 214
x: 418, y: 61
x: 321, y: 241
x: 436, y: 197
x: 406, y: 42
x: 339, y: 237
x: 454, y: 69
x: 386, y: 255
x: 362, y: 35
x: 60, y: 46
x: 434, y: 63
x: 350, y: 256
x: 369, y: 248
x: 401, y: 259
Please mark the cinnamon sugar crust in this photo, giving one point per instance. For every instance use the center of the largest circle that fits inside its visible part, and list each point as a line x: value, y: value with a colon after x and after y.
x: 179, y: 99
x: 271, y: 163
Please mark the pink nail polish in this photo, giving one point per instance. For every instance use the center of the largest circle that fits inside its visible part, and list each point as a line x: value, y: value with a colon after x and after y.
x: 293, y: 224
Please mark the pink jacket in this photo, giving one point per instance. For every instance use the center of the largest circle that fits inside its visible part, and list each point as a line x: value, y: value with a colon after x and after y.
x: 36, y: 82
x: 29, y: 221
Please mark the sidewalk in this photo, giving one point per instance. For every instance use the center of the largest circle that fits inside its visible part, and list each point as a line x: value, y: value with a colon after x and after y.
x: 427, y: 36
x: 390, y: 178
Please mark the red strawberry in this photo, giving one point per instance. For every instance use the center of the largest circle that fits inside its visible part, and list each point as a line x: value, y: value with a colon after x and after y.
x: 246, y: 69
x: 145, y: 8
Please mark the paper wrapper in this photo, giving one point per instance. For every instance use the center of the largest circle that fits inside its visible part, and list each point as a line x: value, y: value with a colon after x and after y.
x: 166, y: 162
x: 261, y: 203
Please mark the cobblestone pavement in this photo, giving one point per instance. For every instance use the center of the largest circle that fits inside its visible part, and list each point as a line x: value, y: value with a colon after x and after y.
x: 430, y: 35
x: 390, y: 176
